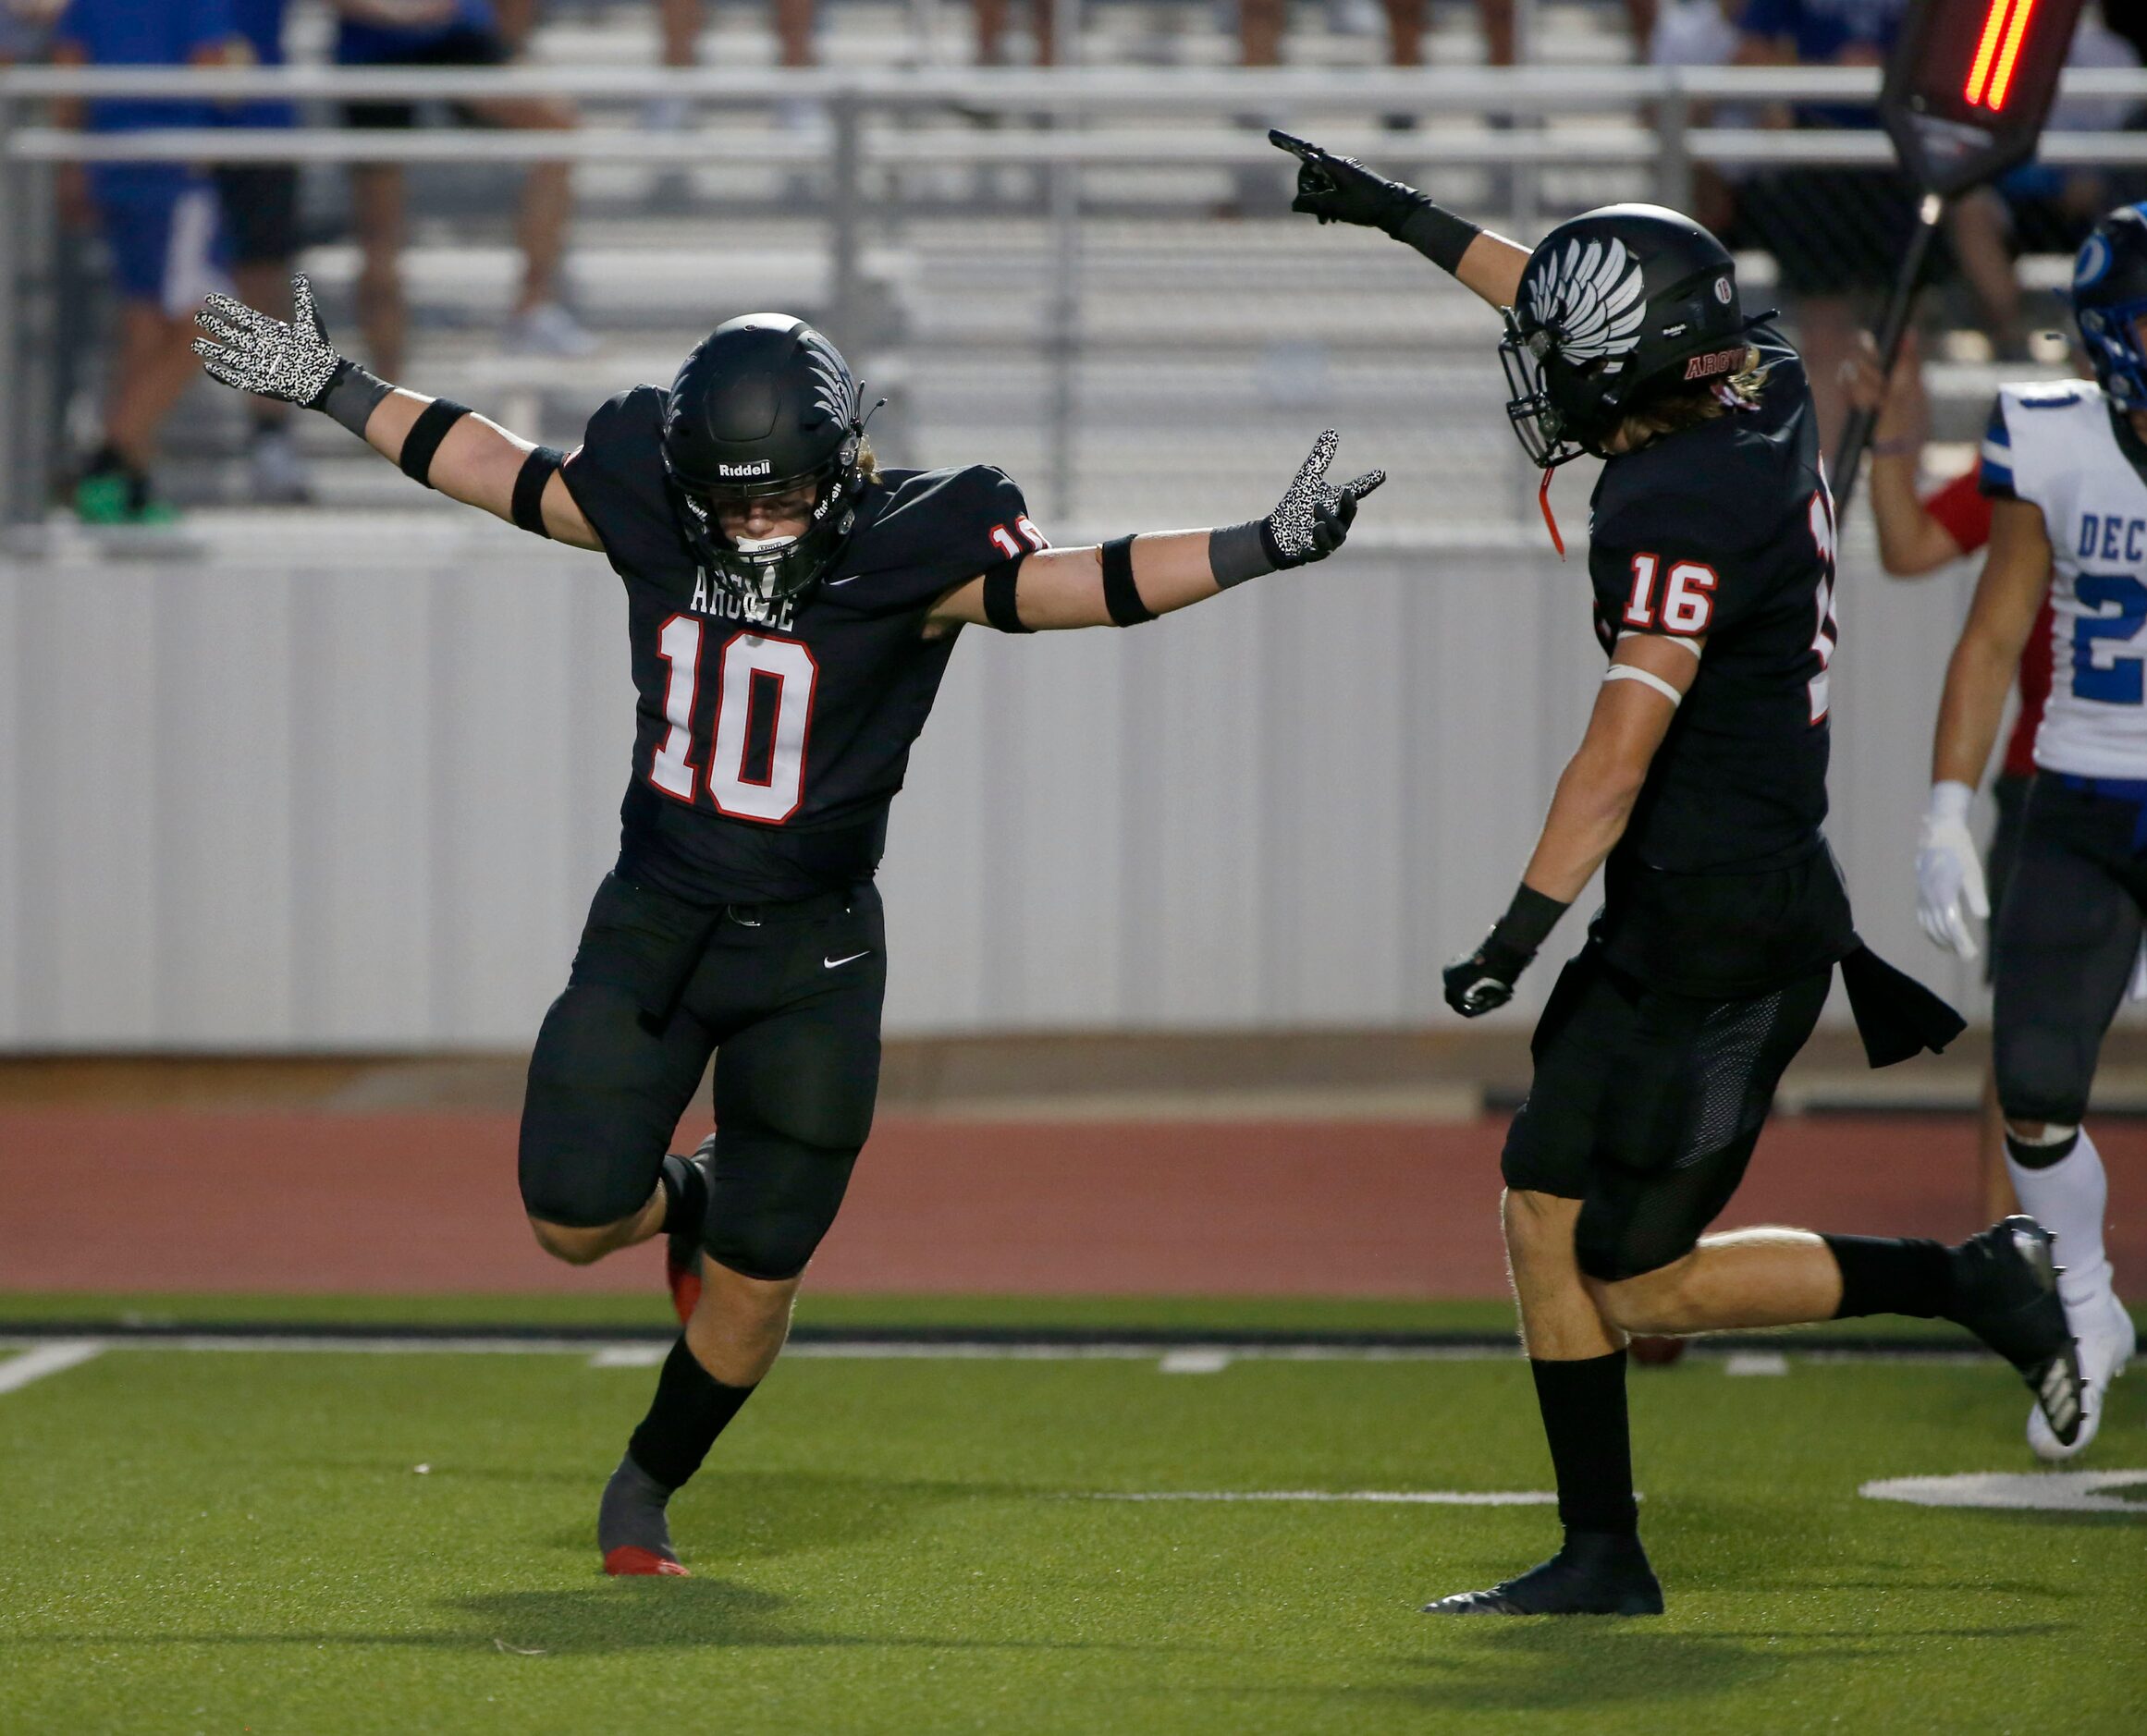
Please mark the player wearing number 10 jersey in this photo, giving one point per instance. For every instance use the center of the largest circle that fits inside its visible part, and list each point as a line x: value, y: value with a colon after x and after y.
x: 1699, y: 790
x: 2066, y: 468
x: 792, y: 609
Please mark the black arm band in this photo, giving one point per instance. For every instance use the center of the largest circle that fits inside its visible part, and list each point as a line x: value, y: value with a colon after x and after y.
x: 1527, y: 922
x: 425, y: 438
x: 998, y: 596
x: 1438, y: 233
x: 1121, y: 595
x: 530, y: 482
x: 353, y: 396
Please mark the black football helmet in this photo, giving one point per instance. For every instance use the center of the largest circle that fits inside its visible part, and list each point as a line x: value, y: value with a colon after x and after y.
x: 1614, y: 305
x: 2109, y: 298
x: 765, y: 405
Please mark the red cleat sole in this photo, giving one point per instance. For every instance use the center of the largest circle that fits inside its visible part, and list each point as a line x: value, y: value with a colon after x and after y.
x: 685, y: 1284
x: 631, y: 1560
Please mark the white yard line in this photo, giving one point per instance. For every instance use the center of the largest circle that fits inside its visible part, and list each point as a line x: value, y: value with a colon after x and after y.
x: 47, y: 1358
x: 1411, y: 1498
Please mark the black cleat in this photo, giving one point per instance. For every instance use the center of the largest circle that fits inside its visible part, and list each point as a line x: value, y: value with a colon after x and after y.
x: 1596, y: 1573
x: 2005, y: 1290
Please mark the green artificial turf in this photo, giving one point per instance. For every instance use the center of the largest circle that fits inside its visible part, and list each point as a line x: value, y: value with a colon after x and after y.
x: 242, y: 1541
x: 650, y: 1312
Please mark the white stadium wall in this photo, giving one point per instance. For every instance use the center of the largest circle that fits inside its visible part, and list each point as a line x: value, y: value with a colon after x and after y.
x: 293, y: 801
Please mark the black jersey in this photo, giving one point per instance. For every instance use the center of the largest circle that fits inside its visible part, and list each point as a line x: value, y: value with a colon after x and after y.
x: 1724, y: 532
x: 771, y: 742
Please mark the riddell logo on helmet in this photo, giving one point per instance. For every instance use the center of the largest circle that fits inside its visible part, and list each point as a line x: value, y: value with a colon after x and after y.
x: 759, y: 467
x: 1720, y: 361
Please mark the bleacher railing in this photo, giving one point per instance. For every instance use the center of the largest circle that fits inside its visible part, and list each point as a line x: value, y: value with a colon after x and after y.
x: 1653, y: 121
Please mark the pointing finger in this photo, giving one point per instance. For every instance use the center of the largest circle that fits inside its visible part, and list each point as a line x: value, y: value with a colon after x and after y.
x: 1302, y: 148
x: 1363, y: 485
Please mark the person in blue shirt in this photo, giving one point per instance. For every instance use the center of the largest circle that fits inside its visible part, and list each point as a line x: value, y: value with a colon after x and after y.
x: 261, y: 213
x: 452, y: 33
x: 161, y: 224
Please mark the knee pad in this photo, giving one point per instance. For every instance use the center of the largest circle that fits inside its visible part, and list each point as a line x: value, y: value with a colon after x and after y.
x: 2057, y: 1144
x: 770, y: 1200
x: 2045, y: 1068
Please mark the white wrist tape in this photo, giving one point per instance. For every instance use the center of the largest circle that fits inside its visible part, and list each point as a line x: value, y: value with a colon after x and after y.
x: 1629, y: 672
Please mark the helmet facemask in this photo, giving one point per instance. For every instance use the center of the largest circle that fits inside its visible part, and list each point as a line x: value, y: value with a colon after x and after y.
x: 764, y: 572
x: 1550, y: 432
x: 2109, y: 298
x: 2112, y: 336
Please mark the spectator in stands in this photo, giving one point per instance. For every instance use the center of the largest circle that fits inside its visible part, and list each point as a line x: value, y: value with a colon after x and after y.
x: 1501, y: 38
x: 1703, y: 33
x: 1836, y: 233
x: 161, y: 224
x: 26, y: 30
x: 681, y: 22
x: 991, y: 31
x: 452, y: 33
x: 260, y: 203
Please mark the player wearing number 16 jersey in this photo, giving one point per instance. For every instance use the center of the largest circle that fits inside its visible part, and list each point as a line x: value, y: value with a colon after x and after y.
x: 792, y: 610
x: 2066, y: 468
x: 1699, y: 790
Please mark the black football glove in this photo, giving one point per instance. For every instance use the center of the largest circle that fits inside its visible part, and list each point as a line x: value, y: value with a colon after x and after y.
x: 1314, y: 516
x: 1483, y: 980
x: 1341, y: 190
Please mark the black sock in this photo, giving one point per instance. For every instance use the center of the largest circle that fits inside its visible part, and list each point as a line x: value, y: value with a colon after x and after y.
x: 1882, y: 1276
x: 1591, y: 1447
x: 690, y: 1409
x: 685, y: 1197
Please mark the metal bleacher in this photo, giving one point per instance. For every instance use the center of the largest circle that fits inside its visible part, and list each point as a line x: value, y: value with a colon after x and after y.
x: 1141, y: 339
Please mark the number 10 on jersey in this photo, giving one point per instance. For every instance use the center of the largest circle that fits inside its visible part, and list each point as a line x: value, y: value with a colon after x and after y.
x: 757, y: 677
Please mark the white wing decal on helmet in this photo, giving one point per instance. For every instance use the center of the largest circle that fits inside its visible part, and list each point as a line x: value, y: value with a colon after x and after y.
x: 834, y: 393
x: 1589, y: 300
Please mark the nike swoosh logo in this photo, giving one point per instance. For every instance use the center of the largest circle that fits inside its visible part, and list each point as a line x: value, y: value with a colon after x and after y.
x: 829, y: 964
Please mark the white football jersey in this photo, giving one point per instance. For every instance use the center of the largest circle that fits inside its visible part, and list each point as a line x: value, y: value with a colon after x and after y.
x: 2052, y: 444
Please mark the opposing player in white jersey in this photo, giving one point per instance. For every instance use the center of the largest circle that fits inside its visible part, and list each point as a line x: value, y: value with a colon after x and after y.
x: 2065, y: 464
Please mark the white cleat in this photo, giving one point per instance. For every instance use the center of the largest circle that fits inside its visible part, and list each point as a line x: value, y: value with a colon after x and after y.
x: 2107, y: 1340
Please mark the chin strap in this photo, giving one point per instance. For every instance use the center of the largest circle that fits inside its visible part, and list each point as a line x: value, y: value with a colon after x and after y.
x: 1543, y: 500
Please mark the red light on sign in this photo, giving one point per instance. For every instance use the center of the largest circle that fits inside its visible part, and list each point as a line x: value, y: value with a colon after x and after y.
x: 1990, y: 79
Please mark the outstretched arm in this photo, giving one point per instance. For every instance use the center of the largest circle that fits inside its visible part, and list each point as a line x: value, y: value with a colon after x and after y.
x: 444, y: 444
x: 1649, y: 674
x: 1134, y: 579
x: 1341, y: 190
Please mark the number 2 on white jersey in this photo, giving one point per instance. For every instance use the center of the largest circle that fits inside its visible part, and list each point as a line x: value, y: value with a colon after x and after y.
x: 750, y: 666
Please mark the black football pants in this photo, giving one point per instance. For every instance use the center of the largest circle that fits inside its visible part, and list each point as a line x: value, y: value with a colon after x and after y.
x: 787, y: 997
x: 2066, y: 940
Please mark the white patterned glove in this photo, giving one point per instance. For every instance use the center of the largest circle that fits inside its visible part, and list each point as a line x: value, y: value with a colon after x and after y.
x: 1310, y: 522
x: 1314, y: 516
x: 1949, y: 876
x: 249, y: 349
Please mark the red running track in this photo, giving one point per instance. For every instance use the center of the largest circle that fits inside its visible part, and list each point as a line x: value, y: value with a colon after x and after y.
x: 420, y: 1203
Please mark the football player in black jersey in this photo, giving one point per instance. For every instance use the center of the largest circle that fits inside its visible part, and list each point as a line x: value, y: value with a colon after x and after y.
x: 792, y: 609
x: 1698, y: 789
